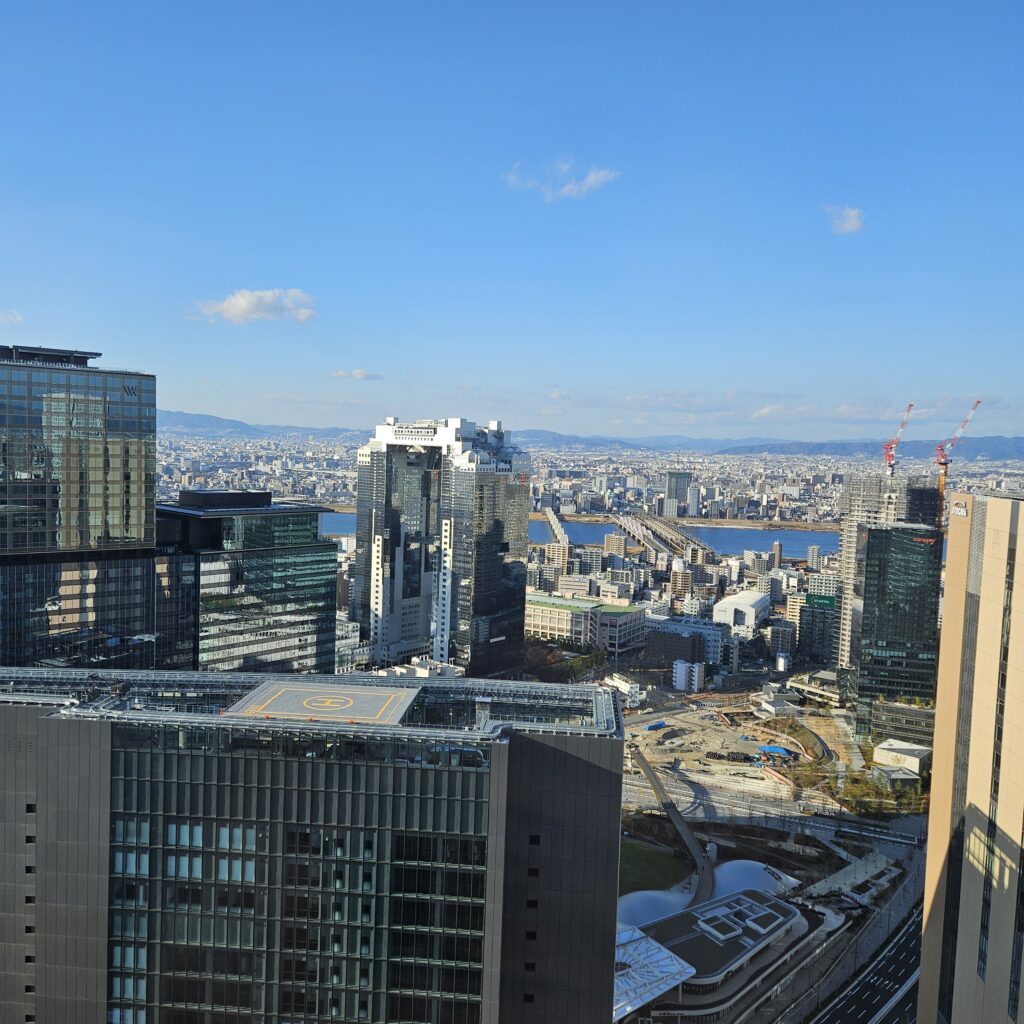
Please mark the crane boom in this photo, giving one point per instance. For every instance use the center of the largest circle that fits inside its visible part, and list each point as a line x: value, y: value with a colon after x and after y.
x: 942, y: 456
x: 890, y: 446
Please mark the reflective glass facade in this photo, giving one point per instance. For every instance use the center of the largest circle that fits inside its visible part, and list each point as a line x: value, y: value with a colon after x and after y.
x: 77, y: 458
x: 77, y: 527
x: 897, y: 603
x: 490, y: 521
x: 441, y: 544
x: 245, y: 590
x: 78, y: 610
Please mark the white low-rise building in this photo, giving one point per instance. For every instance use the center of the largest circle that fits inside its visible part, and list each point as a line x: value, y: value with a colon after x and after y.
x: 688, y: 676
x: 743, y: 613
x: 901, y: 754
x: 632, y: 695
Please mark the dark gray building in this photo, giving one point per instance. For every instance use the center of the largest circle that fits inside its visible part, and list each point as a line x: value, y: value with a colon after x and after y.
x: 896, y: 615
x: 818, y: 622
x: 213, y: 848
x: 77, y: 471
x: 244, y: 584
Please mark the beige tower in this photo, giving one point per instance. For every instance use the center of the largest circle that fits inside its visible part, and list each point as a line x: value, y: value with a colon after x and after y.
x: 973, y: 939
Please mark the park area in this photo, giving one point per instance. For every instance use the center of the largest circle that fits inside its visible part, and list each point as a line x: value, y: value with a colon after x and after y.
x: 643, y: 866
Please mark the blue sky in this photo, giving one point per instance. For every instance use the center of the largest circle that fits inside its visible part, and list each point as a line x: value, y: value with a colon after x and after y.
x: 714, y: 219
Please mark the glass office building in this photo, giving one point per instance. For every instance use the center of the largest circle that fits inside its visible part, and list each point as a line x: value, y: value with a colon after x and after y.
x: 254, y: 848
x: 77, y: 528
x: 896, y: 615
x: 441, y: 544
x: 244, y: 584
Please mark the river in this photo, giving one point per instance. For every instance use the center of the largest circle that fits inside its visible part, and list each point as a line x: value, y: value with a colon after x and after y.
x: 726, y: 540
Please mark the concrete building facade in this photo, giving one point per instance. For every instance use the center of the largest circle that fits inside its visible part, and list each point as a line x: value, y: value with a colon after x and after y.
x: 973, y: 940
x: 193, y: 848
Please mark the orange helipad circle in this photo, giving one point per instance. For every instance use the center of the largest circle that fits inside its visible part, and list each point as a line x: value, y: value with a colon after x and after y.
x: 328, y: 703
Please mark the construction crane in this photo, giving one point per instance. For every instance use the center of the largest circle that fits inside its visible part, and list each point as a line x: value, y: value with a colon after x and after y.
x: 890, y: 446
x: 942, y: 456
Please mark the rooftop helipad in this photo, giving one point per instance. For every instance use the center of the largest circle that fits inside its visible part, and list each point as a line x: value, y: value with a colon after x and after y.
x: 319, y: 702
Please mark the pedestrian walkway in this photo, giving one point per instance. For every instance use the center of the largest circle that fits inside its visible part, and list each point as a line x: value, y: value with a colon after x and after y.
x: 851, y: 749
x: 858, y: 871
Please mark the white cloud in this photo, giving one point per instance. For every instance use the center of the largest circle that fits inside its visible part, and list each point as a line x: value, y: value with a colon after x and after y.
x: 356, y: 374
x: 558, y: 395
x: 561, y: 183
x: 247, y: 305
x: 846, y: 220
x: 12, y: 316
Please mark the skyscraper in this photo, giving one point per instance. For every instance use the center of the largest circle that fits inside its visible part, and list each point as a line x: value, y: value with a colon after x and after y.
x: 973, y: 942
x: 244, y: 584
x: 895, y: 607
x: 875, y: 501
x: 441, y: 544
x: 77, y: 530
x: 814, y: 557
x: 817, y: 629
x: 223, y: 848
x: 677, y: 485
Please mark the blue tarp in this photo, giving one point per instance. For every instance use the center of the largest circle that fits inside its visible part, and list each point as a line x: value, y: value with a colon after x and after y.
x: 778, y: 751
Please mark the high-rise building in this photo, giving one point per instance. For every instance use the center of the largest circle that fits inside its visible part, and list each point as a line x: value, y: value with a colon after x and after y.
x: 814, y: 556
x: 817, y: 628
x: 77, y: 530
x: 441, y: 544
x: 973, y: 943
x: 677, y: 485
x: 874, y: 501
x: 794, y: 602
x: 233, y: 847
x: 680, y: 579
x: 823, y: 584
x: 896, y: 615
x: 244, y: 583
x: 615, y: 544
x: 693, y: 500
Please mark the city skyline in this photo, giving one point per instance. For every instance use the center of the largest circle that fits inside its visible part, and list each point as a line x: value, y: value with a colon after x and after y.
x: 771, y: 194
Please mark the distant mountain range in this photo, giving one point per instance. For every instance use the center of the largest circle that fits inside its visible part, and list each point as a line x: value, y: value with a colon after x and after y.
x: 996, y: 448
x: 195, y: 424
x: 191, y: 424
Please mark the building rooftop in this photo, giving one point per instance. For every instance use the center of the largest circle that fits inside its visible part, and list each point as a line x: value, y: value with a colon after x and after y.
x: 540, y: 599
x: 743, y: 599
x: 217, y: 504
x: 319, y: 702
x: 644, y: 971
x: 357, y: 703
x: 903, y: 747
x: 722, y: 935
x: 46, y: 356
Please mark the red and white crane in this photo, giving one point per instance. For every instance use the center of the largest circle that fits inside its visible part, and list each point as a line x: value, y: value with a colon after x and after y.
x: 890, y: 446
x: 942, y: 455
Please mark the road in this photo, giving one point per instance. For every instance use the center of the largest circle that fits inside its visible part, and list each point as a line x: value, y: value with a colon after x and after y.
x: 884, y: 992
